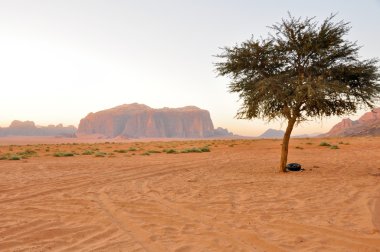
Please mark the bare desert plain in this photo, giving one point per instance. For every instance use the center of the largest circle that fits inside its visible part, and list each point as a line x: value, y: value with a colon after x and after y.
x: 178, y: 196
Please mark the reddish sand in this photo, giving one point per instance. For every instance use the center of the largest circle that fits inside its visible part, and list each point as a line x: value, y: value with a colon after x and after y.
x: 229, y: 199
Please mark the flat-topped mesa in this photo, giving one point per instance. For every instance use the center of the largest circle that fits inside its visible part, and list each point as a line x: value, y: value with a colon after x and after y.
x: 367, y: 125
x: 141, y: 121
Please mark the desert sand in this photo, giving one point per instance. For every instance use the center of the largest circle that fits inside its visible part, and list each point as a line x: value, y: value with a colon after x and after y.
x: 229, y: 199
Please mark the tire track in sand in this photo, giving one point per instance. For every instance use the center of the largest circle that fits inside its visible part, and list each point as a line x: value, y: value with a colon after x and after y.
x: 123, y: 221
x: 354, y: 240
x: 241, y: 238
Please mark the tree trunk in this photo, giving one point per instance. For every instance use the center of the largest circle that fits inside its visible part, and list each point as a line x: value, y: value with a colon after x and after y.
x: 285, y: 144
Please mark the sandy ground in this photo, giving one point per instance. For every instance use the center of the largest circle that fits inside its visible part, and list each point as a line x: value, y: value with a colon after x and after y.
x: 229, y: 199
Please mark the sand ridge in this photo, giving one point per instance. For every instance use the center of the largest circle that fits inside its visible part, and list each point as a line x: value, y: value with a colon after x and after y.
x: 229, y: 199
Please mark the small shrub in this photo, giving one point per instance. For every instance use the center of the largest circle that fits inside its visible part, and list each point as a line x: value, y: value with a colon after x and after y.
x: 132, y: 149
x: 299, y: 147
x: 324, y: 144
x: 120, y: 151
x: 6, y: 156
x: 309, y: 143
x: 87, y: 152
x: 153, y: 151
x: 100, y: 154
x: 27, y: 153
x: 205, y: 149
x: 63, y: 154
x: 334, y: 147
x: 171, y: 151
x: 192, y: 150
x: 147, y: 153
x: 196, y: 150
x: 14, y: 157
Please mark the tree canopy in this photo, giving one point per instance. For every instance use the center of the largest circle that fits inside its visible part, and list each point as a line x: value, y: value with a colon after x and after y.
x: 303, y: 69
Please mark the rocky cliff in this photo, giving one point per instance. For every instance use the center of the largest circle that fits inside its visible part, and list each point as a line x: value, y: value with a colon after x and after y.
x: 366, y: 125
x: 28, y: 128
x: 140, y: 121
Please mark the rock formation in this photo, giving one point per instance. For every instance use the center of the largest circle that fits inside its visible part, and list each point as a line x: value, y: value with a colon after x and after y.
x: 140, y: 121
x: 28, y: 128
x: 222, y: 132
x: 367, y: 125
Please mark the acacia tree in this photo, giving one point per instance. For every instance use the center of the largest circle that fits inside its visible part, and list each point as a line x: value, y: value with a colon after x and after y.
x: 304, y: 69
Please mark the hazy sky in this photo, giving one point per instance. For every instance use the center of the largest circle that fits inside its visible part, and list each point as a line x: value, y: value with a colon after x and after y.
x: 60, y: 60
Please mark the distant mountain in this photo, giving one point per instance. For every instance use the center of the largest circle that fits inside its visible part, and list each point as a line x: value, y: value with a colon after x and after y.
x: 366, y: 125
x: 272, y: 133
x: 28, y: 128
x: 141, y: 121
x: 306, y: 135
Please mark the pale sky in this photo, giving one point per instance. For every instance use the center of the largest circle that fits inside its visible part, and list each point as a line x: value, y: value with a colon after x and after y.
x: 61, y: 59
